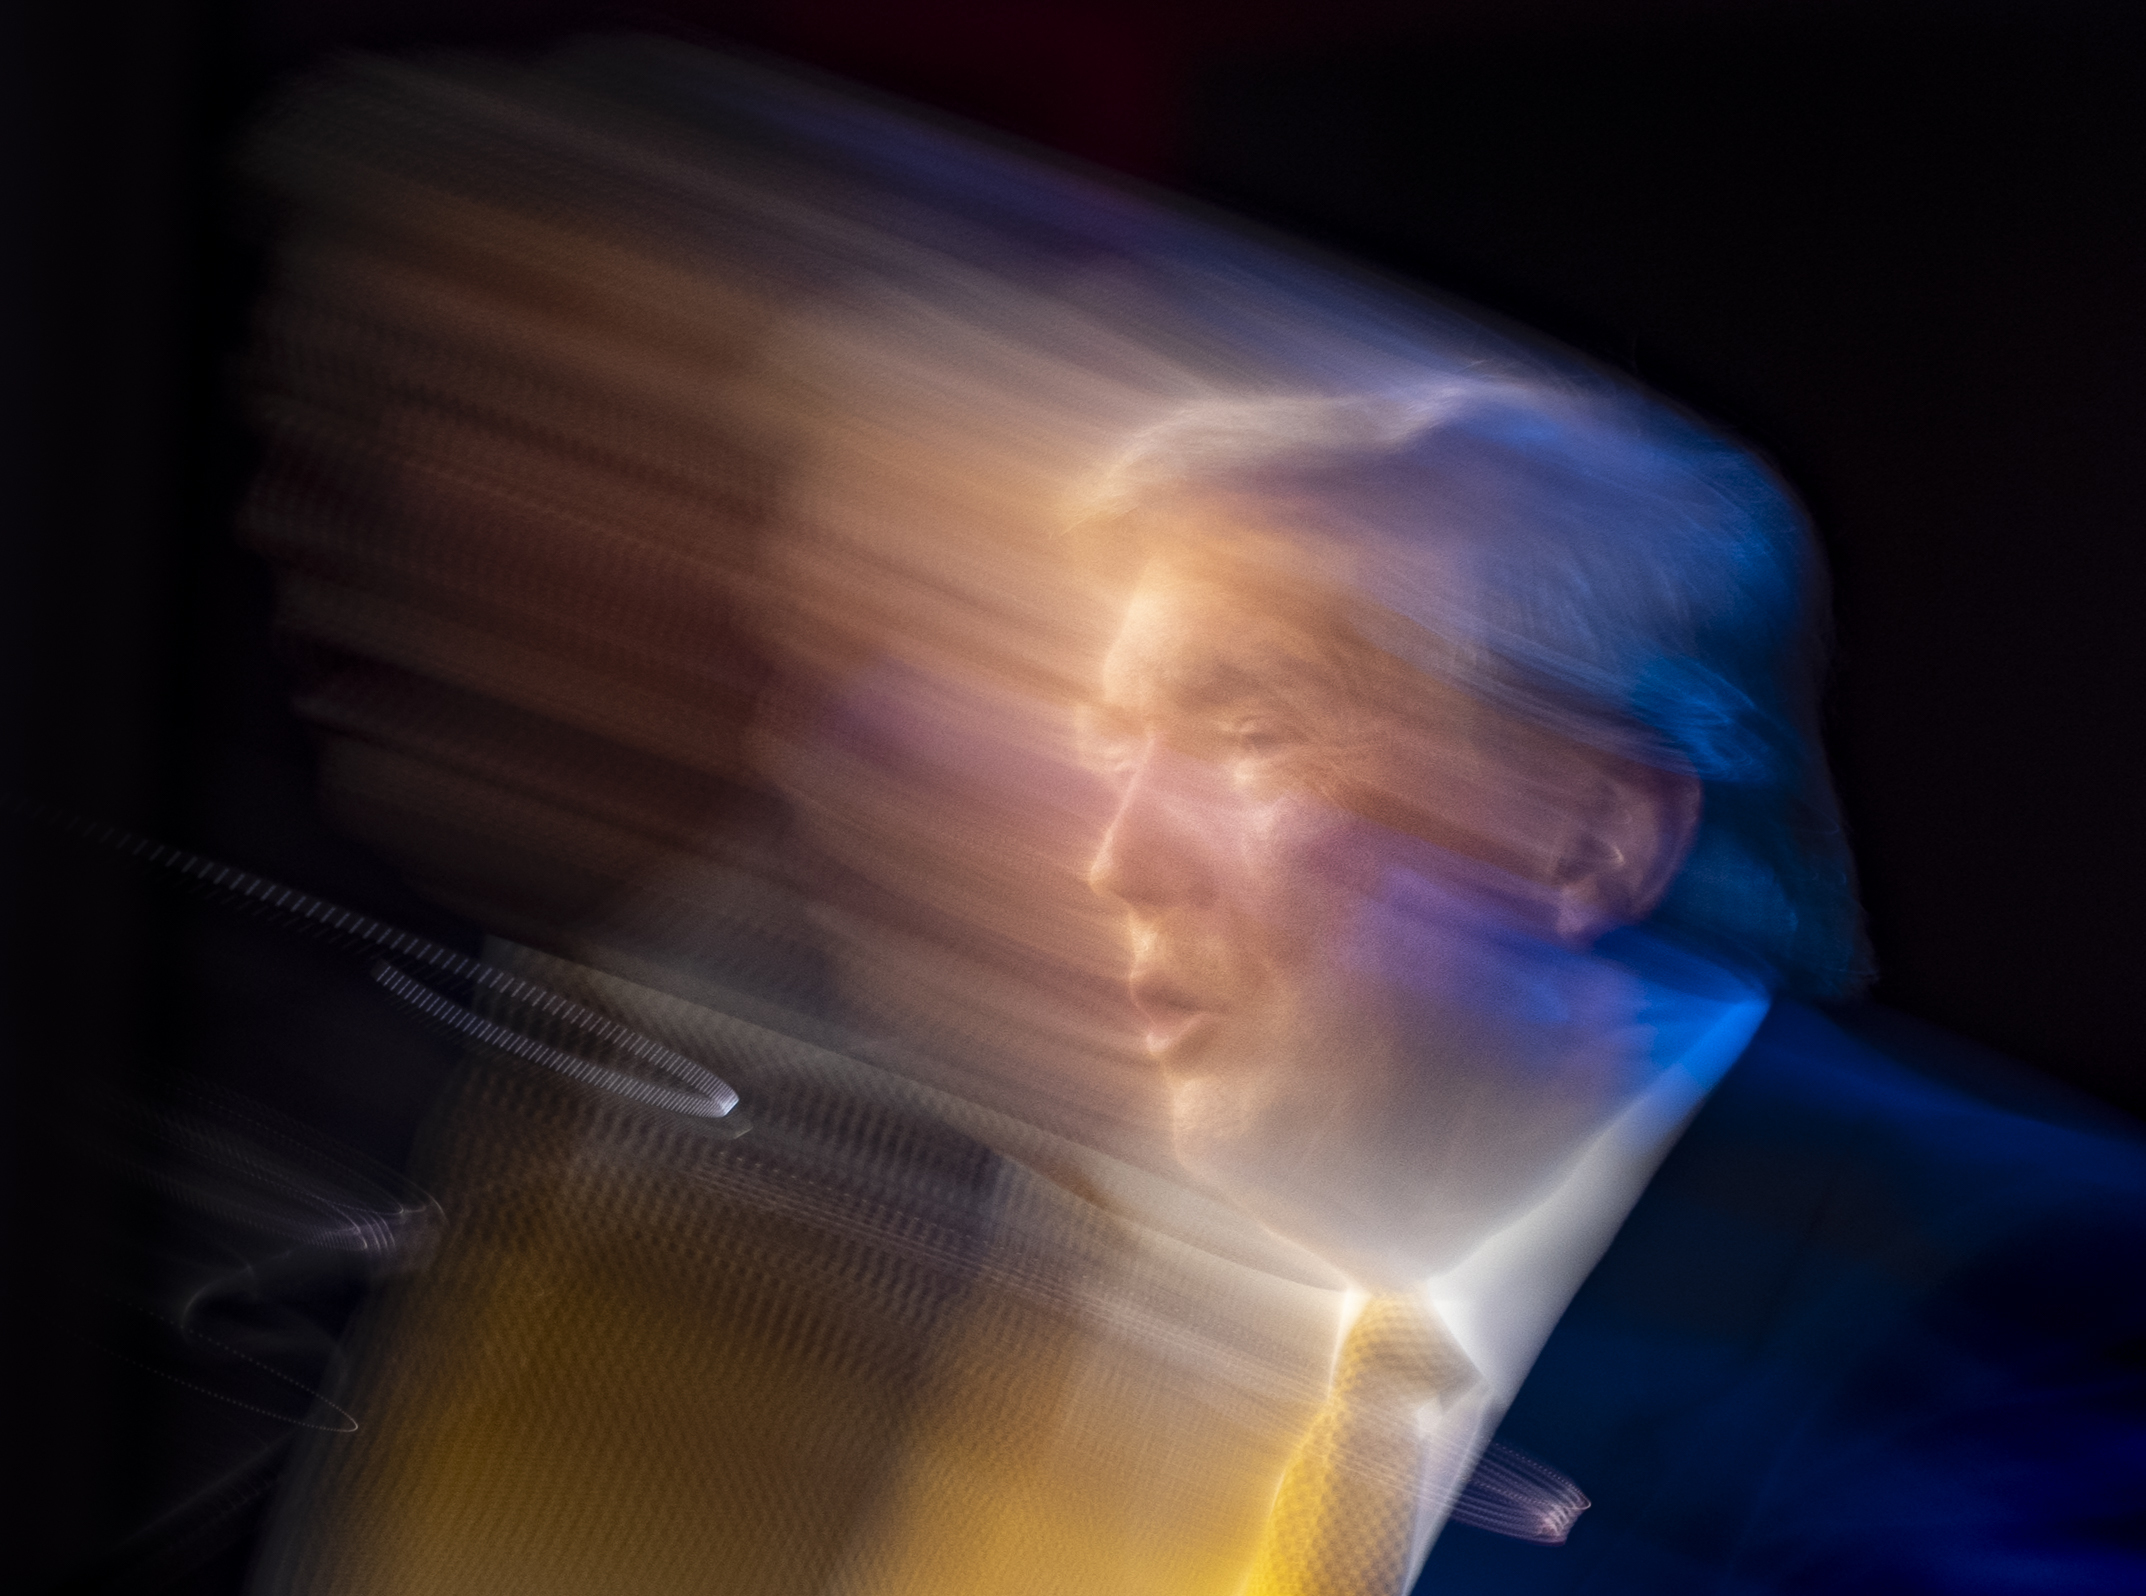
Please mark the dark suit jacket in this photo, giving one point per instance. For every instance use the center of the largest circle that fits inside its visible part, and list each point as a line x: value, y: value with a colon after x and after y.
x: 1878, y: 1324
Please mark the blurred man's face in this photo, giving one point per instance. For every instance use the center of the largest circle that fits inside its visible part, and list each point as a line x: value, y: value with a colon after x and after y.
x: 1353, y: 931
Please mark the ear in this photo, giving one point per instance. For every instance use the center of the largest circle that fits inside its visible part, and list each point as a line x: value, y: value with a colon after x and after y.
x: 1629, y: 837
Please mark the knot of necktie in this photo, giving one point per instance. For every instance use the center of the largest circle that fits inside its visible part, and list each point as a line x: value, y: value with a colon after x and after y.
x: 1397, y: 1352
x: 1343, y: 1517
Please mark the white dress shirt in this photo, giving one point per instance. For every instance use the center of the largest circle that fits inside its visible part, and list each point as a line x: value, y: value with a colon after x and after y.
x: 1501, y: 1302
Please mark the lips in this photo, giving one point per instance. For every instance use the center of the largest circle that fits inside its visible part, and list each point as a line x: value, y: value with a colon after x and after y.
x: 1174, y: 1014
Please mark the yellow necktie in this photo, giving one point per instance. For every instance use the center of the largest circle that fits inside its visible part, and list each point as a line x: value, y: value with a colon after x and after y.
x: 1342, y: 1521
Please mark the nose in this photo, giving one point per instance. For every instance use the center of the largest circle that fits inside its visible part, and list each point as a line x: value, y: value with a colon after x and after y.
x: 1154, y: 853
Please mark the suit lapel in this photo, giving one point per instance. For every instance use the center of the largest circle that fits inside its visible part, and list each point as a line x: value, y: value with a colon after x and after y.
x: 1669, y: 1323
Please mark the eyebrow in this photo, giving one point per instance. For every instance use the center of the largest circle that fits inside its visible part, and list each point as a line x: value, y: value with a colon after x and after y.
x: 1210, y: 687
x: 1199, y: 688
x: 1097, y: 717
x: 1214, y: 684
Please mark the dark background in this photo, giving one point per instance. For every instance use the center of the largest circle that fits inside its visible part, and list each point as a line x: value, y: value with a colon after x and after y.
x: 1898, y: 247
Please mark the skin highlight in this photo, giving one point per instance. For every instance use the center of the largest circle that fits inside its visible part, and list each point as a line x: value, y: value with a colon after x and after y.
x: 1358, y: 904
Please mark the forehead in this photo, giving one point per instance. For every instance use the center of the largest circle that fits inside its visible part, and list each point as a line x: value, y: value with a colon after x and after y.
x: 1192, y: 638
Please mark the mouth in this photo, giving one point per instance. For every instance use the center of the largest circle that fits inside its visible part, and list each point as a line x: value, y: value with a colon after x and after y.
x: 1174, y: 1016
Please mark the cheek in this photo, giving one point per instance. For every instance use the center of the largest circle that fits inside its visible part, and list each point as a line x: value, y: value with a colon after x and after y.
x: 1308, y: 874
x: 1350, y: 912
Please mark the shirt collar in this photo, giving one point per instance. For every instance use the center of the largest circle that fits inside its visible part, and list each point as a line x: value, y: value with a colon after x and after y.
x: 1502, y: 1300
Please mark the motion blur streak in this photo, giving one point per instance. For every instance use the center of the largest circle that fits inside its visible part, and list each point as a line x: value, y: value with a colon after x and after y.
x: 703, y: 1094
x: 668, y: 473
x: 263, y: 1226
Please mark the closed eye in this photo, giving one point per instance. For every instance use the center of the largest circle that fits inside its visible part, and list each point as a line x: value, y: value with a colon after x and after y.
x: 1263, y: 739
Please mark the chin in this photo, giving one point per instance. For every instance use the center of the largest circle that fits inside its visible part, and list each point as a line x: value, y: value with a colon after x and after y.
x: 1217, y: 1134
x: 1244, y: 1145
x: 1257, y: 1150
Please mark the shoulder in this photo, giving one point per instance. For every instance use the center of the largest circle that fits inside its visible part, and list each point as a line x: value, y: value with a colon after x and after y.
x: 1912, y: 1224
x: 1962, y: 1338
x: 1824, y: 1170
x: 1916, y: 1135
x: 1878, y: 1324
